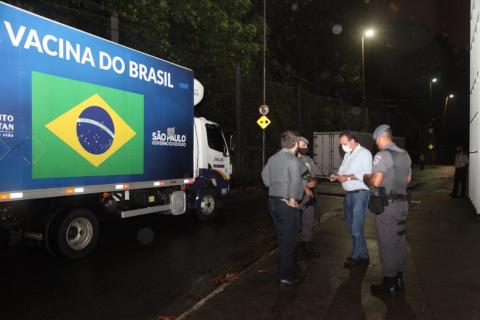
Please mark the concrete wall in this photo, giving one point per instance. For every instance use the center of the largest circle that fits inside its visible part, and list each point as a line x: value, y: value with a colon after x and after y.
x: 474, y: 173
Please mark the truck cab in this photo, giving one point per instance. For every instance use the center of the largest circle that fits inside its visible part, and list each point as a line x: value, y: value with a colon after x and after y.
x: 212, y: 169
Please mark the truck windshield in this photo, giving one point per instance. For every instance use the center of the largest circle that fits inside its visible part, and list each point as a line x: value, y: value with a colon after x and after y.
x: 215, y: 138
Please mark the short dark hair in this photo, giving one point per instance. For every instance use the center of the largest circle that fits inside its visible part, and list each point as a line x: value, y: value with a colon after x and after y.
x: 288, y: 139
x: 349, y: 134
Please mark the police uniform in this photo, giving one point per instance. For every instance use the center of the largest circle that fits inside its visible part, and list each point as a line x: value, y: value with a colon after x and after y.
x: 307, y: 206
x: 395, y: 163
x: 460, y: 176
x: 283, y: 176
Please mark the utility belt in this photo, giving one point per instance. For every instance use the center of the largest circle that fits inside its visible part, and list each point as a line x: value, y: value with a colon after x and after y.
x: 397, y: 197
x: 379, y: 199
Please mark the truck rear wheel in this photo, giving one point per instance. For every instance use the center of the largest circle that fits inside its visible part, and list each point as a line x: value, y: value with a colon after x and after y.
x: 77, y: 233
x: 207, y: 205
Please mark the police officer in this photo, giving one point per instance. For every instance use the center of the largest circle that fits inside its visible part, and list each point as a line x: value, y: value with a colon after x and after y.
x: 460, y: 177
x: 283, y: 175
x: 307, y: 205
x: 391, y: 170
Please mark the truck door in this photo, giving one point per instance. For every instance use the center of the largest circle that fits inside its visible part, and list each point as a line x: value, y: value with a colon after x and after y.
x: 218, y: 156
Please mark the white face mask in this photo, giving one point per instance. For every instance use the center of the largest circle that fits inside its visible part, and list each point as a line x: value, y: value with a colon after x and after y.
x: 346, y: 148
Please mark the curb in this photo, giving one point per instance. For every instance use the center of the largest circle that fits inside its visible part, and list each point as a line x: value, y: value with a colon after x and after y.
x: 197, y: 306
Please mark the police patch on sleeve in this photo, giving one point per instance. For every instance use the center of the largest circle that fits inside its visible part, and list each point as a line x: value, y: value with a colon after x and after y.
x: 377, y: 159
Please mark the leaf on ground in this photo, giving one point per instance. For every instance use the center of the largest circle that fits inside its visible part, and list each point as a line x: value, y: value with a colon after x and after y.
x: 223, y: 278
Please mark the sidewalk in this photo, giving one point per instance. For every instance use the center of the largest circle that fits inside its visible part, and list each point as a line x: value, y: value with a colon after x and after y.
x: 442, y: 277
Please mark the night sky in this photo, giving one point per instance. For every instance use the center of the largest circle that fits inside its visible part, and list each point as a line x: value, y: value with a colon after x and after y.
x: 434, y: 38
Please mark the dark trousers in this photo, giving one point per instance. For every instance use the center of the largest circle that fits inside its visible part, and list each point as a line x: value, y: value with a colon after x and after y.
x: 391, y: 237
x: 286, y: 222
x: 460, y: 178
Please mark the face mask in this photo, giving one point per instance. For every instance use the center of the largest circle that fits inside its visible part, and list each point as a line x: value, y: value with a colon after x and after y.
x: 303, y: 150
x: 346, y: 148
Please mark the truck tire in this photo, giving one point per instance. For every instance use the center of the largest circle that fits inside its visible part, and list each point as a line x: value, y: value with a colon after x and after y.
x: 77, y: 233
x: 207, y: 205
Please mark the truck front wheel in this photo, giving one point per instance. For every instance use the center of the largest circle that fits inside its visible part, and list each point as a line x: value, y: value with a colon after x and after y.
x: 77, y: 233
x: 207, y: 205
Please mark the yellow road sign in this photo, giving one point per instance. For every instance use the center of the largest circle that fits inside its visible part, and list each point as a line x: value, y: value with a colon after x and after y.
x: 263, y: 122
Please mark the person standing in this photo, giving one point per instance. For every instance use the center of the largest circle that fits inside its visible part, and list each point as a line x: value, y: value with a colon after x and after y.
x: 422, y: 161
x: 391, y: 172
x: 307, y: 205
x: 356, y: 163
x: 460, y: 176
x: 283, y: 176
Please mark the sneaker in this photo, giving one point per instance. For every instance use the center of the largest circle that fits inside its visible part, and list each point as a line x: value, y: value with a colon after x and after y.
x: 290, y: 282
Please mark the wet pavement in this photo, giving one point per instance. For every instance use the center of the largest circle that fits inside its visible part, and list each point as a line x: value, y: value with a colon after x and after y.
x: 442, y: 277
x: 226, y: 269
x: 143, y: 268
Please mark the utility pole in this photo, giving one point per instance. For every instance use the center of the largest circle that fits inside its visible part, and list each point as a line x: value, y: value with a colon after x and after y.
x: 238, y: 112
x: 299, y: 108
x: 114, y: 26
x: 264, y: 70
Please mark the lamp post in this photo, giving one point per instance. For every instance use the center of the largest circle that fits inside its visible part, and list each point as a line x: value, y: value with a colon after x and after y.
x: 433, y: 80
x: 450, y: 96
x: 366, y: 34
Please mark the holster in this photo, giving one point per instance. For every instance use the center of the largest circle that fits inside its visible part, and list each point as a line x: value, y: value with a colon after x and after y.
x: 378, y: 200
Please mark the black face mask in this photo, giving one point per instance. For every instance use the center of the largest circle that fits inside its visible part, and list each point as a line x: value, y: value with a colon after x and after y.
x: 303, y: 150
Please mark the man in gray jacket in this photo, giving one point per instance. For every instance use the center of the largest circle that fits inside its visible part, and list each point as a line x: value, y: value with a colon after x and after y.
x: 283, y: 175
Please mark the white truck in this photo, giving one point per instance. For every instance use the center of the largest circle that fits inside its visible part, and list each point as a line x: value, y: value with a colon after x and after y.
x: 90, y: 129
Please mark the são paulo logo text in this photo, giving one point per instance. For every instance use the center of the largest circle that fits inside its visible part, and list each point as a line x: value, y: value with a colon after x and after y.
x: 169, y: 138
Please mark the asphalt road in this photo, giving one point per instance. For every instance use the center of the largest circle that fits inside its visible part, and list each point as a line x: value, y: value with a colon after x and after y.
x: 143, y: 268
x: 147, y: 267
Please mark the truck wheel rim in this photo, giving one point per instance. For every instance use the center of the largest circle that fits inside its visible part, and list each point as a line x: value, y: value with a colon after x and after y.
x: 208, y: 204
x: 79, y: 233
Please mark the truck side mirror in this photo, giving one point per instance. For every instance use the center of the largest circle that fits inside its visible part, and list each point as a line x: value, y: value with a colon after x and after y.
x: 230, y: 137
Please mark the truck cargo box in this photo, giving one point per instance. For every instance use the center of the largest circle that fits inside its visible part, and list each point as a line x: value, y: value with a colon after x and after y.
x: 328, y: 154
x: 81, y: 114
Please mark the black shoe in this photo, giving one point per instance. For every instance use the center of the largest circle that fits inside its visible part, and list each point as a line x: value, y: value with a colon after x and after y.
x: 352, y: 262
x: 399, y: 281
x: 388, y: 286
x: 308, y: 251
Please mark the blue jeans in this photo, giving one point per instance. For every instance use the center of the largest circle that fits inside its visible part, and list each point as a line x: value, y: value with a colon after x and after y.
x: 355, y: 207
x: 286, y: 222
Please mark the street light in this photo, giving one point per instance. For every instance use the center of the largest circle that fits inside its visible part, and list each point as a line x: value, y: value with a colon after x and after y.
x: 433, y: 80
x: 450, y: 96
x: 368, y: 33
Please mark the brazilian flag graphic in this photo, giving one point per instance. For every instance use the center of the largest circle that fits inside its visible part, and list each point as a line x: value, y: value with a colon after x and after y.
x: 80, y: 129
